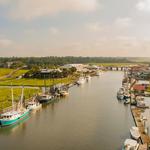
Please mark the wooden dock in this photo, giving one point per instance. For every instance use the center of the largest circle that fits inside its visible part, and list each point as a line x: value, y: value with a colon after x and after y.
x: 145, y: 139
x: 143, y: 147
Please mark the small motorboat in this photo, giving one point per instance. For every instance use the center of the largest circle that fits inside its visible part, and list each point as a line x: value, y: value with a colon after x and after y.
x: 33, y: 105
x: 130, y: 144
x: 81, y: 81
x: 64, y: 93
x: 88, y: 78
x: 127, y: 101
x: 44, y: 98
x: 141, y: 104
x: 135, y: 133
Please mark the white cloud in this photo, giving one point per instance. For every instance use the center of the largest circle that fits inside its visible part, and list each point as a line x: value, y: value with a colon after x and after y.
x: 95, y: 27
x: 143, y: 5
x: 54, y: 30
x: 123, y: 22
x: 4, y: 43
x: 30, y: 9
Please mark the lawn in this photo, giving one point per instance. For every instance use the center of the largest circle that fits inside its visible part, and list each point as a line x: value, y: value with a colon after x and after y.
x: 5, y: 95
x: 5, y: 71
x: 35, y: 82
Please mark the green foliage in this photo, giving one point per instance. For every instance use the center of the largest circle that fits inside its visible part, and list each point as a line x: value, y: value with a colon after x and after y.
x: 57, y: 61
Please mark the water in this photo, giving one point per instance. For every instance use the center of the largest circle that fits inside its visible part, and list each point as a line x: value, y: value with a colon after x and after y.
x: 91, y: 118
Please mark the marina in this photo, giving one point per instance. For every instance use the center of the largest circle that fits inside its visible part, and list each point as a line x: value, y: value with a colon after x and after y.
x: 86, y: 119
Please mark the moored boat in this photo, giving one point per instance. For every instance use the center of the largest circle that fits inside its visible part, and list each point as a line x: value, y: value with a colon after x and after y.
x: 81, y: 81
x: 88, y: 78
x: 130, y: 144
x: 44, y: 98
x: 33, y: 105
x: 13, y: 116
x: 64, y: 93
x: 135, y: 133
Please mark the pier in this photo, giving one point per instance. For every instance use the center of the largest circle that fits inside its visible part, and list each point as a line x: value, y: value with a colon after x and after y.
x: 145, y: 139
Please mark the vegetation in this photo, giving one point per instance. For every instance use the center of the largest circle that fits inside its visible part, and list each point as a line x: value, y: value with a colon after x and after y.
x: 5, y: 96
x: 5, y: 71
x: 35, y: 82
x: 55, y: 61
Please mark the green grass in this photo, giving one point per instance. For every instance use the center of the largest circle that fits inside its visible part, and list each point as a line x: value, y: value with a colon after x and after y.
x: 5, y: 95
x: 34, y: 82
x: 5, y: 71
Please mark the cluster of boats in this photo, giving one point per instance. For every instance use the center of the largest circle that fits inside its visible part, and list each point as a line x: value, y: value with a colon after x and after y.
x: 123, y: 94
x: 19, y: 111
x: 82, y: 80
x: 132, y: 144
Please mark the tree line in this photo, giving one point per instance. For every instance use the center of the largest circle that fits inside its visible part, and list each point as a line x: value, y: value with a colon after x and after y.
x: 57, y: 61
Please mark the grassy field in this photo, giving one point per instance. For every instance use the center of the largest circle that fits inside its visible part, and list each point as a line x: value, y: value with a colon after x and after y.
x: 5, y: 95
x: 34, y: 82
x: 6, y: 71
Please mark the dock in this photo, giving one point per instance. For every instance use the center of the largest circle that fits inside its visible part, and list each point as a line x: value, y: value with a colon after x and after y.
x: 145, y: 139
x: 143, y: 147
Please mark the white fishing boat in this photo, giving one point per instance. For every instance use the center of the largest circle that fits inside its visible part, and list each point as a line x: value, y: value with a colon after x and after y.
x: 130, y: 144
x: 88, y: 78
x: 33, y: 105
x: 98, y: 73
x: 135, y: 133
x: 81, y: 81
x: 64, y: 93
x: 141, y: 104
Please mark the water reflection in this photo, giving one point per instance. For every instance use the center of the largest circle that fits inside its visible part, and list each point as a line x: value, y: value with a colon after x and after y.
x: 8, y: 130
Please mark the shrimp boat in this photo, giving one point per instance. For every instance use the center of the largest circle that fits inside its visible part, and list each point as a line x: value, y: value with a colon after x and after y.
x: 130, y: 144
x: 135, y: 133
x: 34, y: 104
x: 14, y: 116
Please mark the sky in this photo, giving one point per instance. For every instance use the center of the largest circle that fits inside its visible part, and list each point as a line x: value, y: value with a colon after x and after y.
x: 110, y: 28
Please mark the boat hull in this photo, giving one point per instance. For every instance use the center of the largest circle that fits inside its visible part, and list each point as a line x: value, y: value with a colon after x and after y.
x: 10, y: 122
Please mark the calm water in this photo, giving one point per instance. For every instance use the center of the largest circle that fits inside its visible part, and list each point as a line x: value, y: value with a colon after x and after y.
x: 91, y: 118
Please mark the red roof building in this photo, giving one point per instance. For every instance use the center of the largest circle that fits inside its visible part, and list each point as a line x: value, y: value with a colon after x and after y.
x: 139, y: 87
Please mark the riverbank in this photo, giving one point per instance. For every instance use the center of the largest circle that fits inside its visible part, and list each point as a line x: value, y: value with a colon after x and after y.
x: 137, y: 105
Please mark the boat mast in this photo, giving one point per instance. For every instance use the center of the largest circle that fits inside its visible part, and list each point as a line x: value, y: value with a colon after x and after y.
x: 22, y: 95
x: 12, y: 95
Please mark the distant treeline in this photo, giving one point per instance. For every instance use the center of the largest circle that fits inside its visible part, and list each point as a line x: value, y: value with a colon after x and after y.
x: 46, y: 61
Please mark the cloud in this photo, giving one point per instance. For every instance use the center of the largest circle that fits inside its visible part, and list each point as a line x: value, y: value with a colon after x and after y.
x: 31, y: 9
x: 95, y: 27
x: 143, y: 5
x: 54, y: 30
x: 4, y: 43
x: 3, y: 2
x: 123, y: 22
